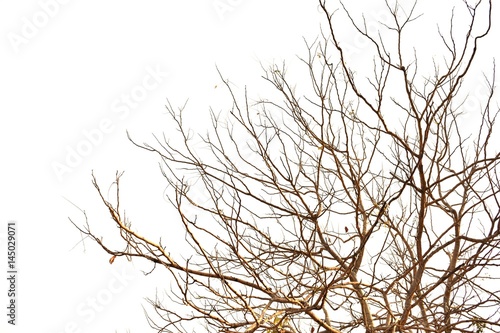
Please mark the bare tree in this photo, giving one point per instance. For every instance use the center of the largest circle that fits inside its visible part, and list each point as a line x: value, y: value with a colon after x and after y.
x: 362, y: 206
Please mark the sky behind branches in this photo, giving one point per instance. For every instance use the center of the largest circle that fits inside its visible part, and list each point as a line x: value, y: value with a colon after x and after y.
x: 75, y: 76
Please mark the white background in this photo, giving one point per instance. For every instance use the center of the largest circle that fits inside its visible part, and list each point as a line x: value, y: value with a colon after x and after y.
x: 67, y: 74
